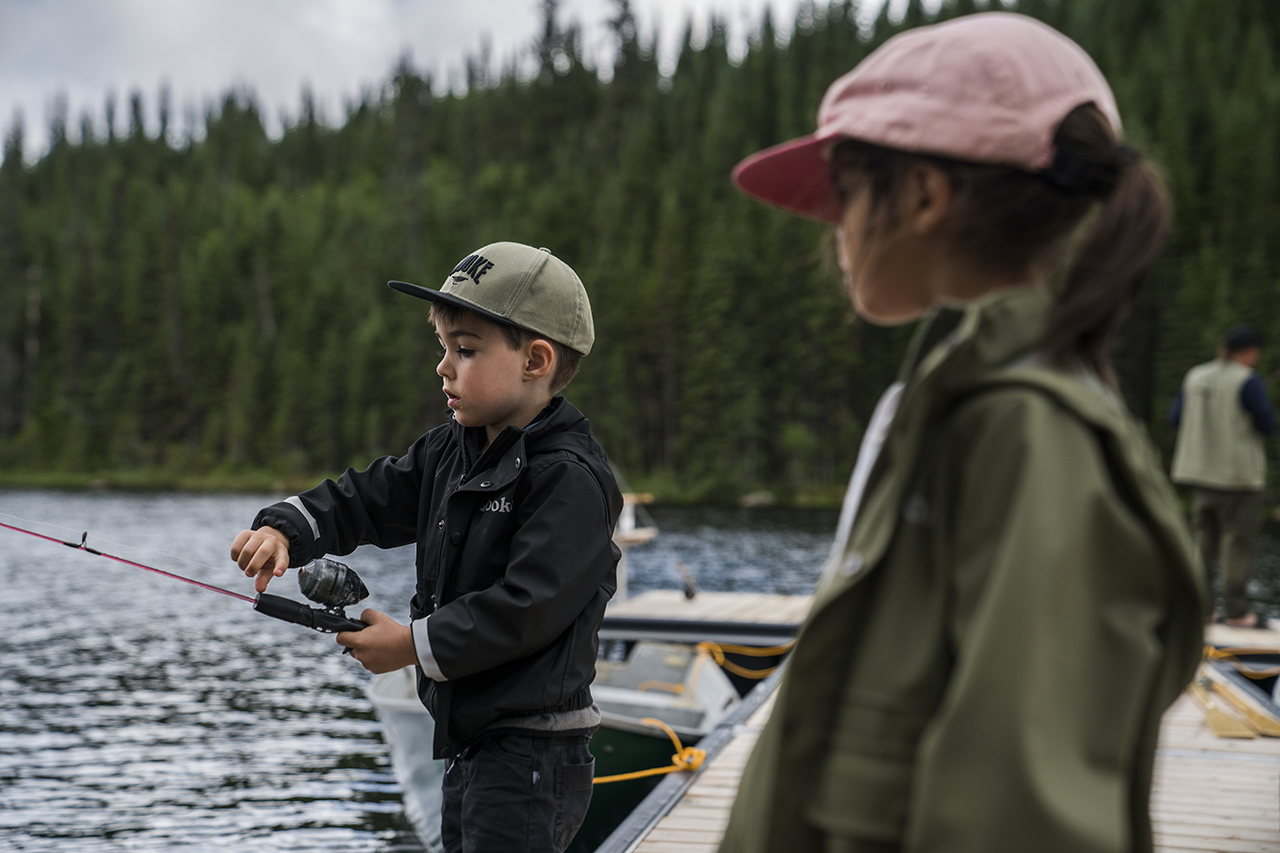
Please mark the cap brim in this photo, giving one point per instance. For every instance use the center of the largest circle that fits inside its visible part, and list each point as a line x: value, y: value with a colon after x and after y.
x: 436, y: 296
x: 795, y: 176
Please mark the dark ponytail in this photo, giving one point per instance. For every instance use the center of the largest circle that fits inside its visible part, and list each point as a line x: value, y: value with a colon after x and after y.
x: 1125, y: 236
x: 1008, y: 221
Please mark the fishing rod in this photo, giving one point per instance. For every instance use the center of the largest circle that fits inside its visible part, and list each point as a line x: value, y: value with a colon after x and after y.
x: 330, y: 584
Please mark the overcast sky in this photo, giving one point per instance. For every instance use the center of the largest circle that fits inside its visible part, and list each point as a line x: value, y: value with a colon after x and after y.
x: 85, y: 49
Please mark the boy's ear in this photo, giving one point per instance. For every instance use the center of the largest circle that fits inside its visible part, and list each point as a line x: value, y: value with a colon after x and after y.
x: 540, y: 358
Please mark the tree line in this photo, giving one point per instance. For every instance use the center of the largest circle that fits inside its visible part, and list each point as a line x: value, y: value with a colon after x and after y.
x: 215, y: 310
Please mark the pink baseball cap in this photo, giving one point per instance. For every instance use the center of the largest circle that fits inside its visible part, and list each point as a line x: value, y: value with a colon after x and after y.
x: 986, y: 88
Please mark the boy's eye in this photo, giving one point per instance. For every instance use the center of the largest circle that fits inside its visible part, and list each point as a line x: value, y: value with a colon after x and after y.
x: 465, y: 353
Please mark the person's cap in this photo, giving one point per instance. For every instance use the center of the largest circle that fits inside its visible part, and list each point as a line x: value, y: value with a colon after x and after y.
x: 520, y: 286
x: 985, y: 88
x: 1241, y: 337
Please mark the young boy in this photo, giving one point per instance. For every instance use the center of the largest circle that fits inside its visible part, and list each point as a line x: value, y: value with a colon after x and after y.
x: 512, y: 505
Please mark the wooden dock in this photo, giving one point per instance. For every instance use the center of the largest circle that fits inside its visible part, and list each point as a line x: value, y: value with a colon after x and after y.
x: 1209, y: 794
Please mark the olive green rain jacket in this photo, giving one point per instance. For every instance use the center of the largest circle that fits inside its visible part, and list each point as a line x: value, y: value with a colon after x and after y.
x: 986, y: 662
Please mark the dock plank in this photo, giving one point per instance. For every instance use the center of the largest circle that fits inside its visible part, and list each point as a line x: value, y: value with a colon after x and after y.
x: 1209, y: 794
x: 714, y: 606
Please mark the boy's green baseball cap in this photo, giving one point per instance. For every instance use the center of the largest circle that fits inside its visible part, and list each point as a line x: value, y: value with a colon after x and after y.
x: 520, y: 286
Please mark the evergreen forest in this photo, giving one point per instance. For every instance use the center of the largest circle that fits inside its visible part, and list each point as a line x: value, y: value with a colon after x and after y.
x: 213, y: 312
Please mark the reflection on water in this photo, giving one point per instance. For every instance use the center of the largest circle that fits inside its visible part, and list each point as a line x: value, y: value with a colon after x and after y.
x: 758, y: 550
x: 139, y: 713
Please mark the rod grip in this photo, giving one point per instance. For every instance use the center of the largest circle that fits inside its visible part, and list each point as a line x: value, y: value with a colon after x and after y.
x: 279, y: 607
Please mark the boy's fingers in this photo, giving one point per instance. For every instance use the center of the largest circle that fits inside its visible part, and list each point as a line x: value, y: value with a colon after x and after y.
x: 261, y: 580
x: 350, y: 638
x: 237, y: 544
x: 255, y: 556
x: 247, y: 552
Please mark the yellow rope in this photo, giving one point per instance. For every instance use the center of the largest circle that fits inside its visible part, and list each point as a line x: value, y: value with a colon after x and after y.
x: 1211, y: 653
x: 718, y: 651
x: 686, y: 758
x: 661, y: 685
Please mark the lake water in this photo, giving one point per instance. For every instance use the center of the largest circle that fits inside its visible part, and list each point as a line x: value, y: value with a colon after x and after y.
x: 138, y: 713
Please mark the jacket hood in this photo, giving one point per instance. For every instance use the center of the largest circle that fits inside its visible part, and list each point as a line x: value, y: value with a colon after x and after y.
x: 561, y: 426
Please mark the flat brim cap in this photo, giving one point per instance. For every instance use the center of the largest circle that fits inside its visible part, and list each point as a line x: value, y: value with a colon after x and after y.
x: 520, y: 286
x: 985, y: 88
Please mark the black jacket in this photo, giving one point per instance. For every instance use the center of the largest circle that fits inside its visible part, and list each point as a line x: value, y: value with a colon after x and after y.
x: 515, y: 560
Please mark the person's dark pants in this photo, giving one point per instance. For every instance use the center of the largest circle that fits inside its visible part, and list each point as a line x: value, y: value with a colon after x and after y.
x: 516, y: 792
x: 1226, y: 525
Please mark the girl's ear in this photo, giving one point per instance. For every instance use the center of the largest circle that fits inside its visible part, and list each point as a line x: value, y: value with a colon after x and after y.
x: 540, y: 358
x: 929, y: 196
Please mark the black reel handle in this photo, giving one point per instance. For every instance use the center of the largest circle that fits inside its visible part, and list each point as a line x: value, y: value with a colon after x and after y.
x: 300, y: 614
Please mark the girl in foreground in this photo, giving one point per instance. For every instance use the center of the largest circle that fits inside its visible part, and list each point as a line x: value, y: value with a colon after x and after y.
x: 1012, y: 599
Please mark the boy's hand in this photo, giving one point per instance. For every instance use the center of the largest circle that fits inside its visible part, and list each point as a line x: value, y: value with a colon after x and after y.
x: 262, y: 554
x: 383, y: 646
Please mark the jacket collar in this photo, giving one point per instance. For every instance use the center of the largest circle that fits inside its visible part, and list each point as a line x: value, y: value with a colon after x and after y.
x: 557, y: 417
x: 983, y: 333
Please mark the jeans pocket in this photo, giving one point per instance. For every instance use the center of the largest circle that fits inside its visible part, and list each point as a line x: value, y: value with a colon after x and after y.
x: 573, y: 796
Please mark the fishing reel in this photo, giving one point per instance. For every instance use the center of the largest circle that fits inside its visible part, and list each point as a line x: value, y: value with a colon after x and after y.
x: 329, y: 584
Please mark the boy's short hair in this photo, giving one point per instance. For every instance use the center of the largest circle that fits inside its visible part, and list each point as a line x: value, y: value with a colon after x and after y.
x: 567, y: 360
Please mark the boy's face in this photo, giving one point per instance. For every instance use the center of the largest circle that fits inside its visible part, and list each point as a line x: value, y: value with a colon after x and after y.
x: 487, y: 383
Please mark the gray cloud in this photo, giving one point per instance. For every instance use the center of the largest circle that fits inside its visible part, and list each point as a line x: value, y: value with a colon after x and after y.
x: 85, y: 49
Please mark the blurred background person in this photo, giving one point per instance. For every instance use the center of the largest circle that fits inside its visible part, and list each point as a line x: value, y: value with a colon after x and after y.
x: 1222, y: 413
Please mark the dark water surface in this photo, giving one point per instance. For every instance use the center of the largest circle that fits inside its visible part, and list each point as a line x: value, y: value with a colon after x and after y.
x: 138, y: 713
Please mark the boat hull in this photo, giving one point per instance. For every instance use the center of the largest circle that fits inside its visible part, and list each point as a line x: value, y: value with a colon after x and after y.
x: 618, y: 751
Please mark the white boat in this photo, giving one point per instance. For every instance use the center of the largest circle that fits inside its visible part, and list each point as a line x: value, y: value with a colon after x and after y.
x: 408, y: 730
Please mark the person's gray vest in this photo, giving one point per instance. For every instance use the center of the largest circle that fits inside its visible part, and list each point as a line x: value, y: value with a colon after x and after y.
x: 1218, y: 445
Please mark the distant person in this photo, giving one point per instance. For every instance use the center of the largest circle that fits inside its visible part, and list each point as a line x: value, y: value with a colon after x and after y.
x: 512, y: 505
x: 1222, y: 413
x: 1013, y: 597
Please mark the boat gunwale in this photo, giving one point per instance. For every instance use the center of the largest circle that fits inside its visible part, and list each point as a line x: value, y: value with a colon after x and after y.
x: 632, y: 725
x: 676, y: 630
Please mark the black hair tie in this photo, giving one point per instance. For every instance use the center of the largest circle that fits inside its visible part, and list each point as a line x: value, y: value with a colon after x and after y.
x: 1077, y: 169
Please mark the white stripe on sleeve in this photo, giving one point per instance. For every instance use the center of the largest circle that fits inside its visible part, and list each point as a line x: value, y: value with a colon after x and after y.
x: 422, y: 645
x: 296, y: 502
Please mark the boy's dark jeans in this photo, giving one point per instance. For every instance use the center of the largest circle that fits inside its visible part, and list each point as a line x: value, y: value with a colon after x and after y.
x: 515, y: 792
